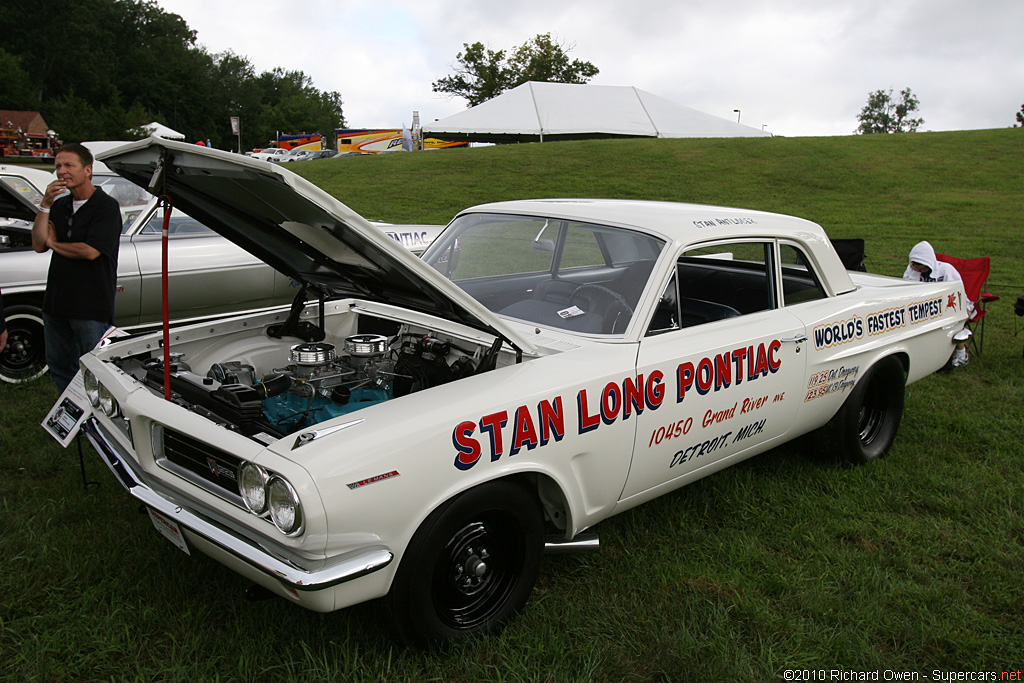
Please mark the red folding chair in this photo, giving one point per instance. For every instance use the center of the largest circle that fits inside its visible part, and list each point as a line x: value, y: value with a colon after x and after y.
x: 974, y: 272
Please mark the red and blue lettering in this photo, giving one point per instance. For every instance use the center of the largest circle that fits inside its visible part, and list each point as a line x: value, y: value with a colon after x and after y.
x: 611, y: 403
x: 492, y: 424
x: 588, y: 422
x: 552, y: 421
x: 524, y: 433
x: 468, y: 447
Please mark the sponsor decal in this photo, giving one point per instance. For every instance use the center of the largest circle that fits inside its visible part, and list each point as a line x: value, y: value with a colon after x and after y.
x: 838, y: 333
x: 409, y: 239
x: 830, y: 381
x: 373, y: 480
x: 924, y: 310
x: 695, y: 451
x: 732, y: 367
x: 886, y: 321
x: 508, y: 432
x: 718, y: 222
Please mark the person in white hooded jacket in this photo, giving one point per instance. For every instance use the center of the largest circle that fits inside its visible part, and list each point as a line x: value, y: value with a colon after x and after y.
x: 925, y: 267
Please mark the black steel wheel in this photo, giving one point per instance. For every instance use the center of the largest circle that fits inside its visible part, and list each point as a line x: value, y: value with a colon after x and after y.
x: 470, y: 566
x: 866, y: 425
x: 24, y: 357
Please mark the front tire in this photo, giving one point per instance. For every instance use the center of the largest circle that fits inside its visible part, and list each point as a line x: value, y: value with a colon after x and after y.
x: 24, y: 357
x: 866, y: 425
x: 469, y: 568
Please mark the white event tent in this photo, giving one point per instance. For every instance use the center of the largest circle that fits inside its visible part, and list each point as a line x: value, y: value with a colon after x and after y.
x: 161, y: 131
x: 537, y: 111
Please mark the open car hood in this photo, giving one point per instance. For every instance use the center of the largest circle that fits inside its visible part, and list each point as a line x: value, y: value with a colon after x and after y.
x: 14, y: 205
x: 298, y: 229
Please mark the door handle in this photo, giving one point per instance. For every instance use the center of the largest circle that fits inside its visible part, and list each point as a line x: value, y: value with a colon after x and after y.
x: 799, y: 339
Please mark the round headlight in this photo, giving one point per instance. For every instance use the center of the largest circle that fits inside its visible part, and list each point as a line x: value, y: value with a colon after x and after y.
x: 92, y: 388
x: 252, y: 485
x: 108, y: 404
x: 285, y: 510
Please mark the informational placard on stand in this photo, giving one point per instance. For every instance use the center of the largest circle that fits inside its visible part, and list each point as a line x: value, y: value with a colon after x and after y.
x: 69, y: 412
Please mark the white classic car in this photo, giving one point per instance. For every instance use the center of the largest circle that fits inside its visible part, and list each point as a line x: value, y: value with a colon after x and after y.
x: 426, y: 428
x: 29, y: 182
x: 270, y: 153
x: 209, y: 276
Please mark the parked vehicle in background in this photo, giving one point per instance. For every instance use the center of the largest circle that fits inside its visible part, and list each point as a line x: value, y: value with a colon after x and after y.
x: 29, y: 182
x: 426, y: 428
x: 269, y: 153
x: 305, y: 155
x: 290, y: 155
x: 322, y: 154
x: 209, y: 275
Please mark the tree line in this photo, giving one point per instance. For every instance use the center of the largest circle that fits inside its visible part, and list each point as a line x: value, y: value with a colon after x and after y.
x: 99, y: 69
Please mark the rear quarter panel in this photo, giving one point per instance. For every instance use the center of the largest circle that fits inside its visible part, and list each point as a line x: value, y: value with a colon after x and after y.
x: 849, y: 333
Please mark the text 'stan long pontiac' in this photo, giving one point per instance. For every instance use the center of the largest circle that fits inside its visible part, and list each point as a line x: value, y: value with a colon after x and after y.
x: 425, y: 428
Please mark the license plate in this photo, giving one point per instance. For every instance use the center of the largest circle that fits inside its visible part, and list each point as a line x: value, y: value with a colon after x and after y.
x: 169, y: 529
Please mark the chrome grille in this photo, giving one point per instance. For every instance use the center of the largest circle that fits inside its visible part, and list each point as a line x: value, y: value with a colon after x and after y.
x: 211, y: 465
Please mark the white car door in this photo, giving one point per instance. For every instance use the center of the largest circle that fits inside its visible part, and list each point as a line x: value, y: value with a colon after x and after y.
x: 723, y: 368
x: 208, y: 273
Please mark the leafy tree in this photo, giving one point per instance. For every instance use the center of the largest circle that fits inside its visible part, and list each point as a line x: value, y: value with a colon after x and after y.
x: 482, y: 74
x: 99, y: 69
x: 16, y: 89
x: 1020, y: 117
x: 292, y: 103
x: 540, y: 59
x: 884, y: 114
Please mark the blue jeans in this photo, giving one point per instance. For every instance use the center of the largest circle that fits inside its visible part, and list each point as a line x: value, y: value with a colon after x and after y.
x: 67, y: 340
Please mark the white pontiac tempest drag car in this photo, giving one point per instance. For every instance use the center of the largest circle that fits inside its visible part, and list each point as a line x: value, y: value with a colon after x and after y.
x: 425, y: 428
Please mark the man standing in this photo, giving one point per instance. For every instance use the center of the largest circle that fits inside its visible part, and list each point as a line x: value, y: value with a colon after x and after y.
x: 83, y: 230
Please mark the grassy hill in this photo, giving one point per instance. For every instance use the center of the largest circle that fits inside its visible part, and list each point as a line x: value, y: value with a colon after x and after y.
x: 790, y: 560
x: 963, y: 191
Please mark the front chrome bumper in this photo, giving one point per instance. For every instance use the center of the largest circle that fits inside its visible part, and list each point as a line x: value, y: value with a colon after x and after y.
x: 316, y: 576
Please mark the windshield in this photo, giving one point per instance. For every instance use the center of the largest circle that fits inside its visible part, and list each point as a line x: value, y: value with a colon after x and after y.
x: 25, y: 188
x: 557, y: 273
x: 132, y: 198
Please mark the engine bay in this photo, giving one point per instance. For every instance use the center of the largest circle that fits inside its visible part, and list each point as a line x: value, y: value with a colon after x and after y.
x: 317, y: 381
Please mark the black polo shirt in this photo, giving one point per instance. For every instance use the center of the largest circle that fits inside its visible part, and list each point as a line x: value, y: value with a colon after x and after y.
x: 78, y: 288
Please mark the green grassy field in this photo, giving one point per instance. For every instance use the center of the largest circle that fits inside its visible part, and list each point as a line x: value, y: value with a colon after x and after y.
x: 791, y: 560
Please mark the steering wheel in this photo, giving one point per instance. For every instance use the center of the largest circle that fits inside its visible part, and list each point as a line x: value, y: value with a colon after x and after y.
x: 601, y: 288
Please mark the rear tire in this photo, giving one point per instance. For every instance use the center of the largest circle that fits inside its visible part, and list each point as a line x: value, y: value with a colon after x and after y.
x: 469, y: 568
x: 24, y: 357
x: 866, y: 425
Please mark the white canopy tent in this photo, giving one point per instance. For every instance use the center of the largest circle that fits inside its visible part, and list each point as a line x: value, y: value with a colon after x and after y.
x: 546, y: 111
x: 161, y: 131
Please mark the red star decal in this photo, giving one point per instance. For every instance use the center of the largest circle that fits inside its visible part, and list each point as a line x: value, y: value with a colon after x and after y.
x: 951, y: 301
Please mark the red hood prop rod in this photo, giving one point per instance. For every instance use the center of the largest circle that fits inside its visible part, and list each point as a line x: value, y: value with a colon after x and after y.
x: 168, y: 204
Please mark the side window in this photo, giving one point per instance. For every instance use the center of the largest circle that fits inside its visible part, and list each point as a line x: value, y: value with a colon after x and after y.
x: 180, y: 224
x: 24, y: 188
x: 799, y: 283
x: 501, y: 247
x: 581, y: 248
x: 726, y: 280
x: 666, y: 314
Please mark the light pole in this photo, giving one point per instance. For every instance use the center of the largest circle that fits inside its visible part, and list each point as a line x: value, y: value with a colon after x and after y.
x: 737, y: 112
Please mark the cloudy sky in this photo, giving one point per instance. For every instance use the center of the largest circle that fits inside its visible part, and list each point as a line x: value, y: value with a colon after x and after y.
x: 796, y: 67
